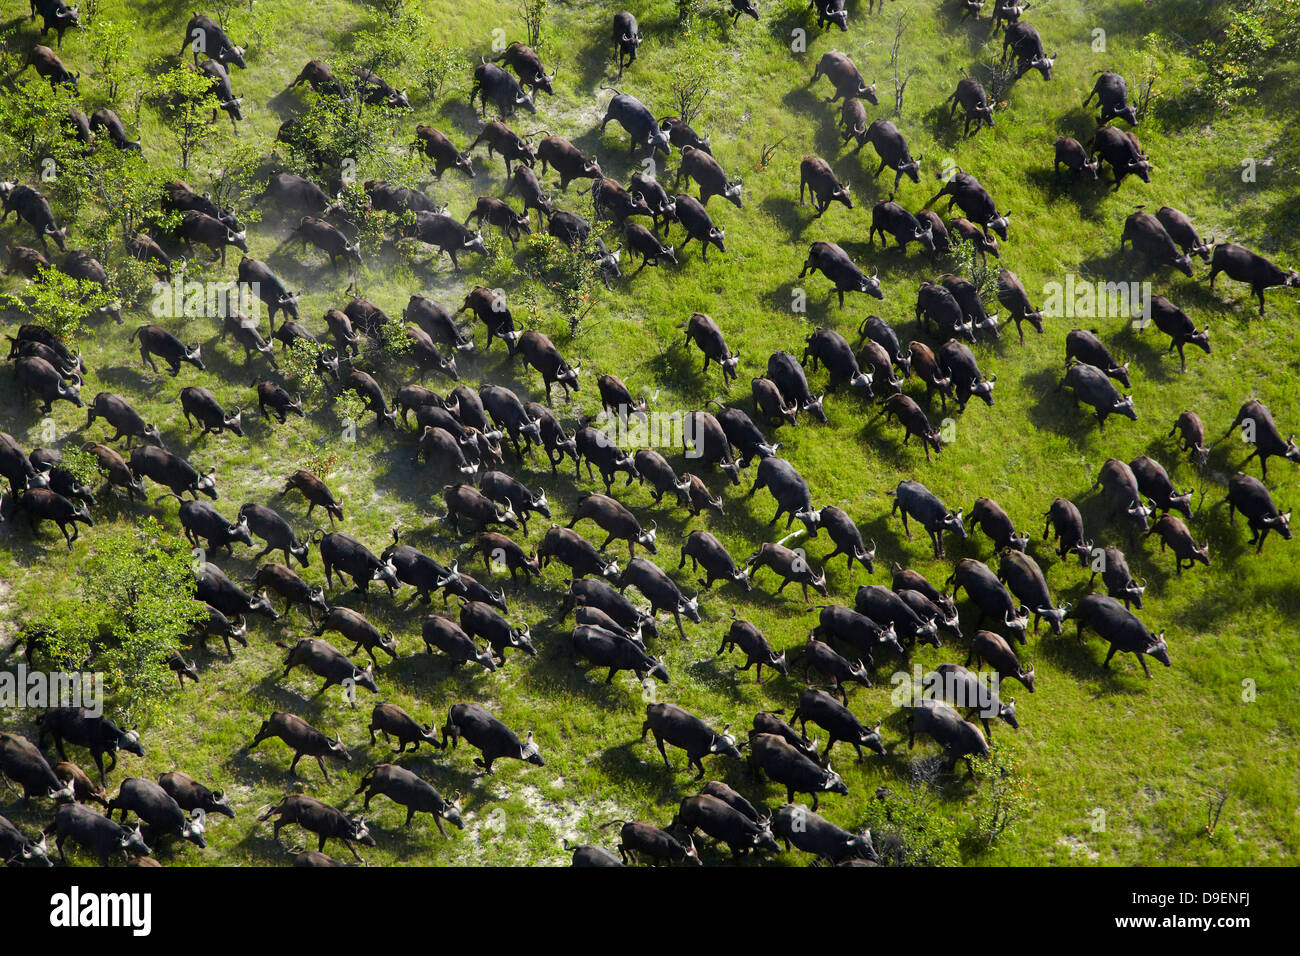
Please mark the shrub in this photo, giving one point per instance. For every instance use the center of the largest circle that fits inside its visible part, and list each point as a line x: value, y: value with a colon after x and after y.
x: 533, y: 13
x: 81, y: 464
x: 349, y: 407
x: 1258, y: 35
x: 1006, y: 794
x: 975, y: 268
x: 184, y: 99
x: 58, y: 302
x: 299, y: 363
x: 911, y: 827
x: 436, y: 66
x: 236, y: 180
x: 570, y: 273
x: 392, y: 334
x: 32, y: 116
x: 321, y: 464
x: 109, y: 43
x: 135, y: 600
x: 695, y: 76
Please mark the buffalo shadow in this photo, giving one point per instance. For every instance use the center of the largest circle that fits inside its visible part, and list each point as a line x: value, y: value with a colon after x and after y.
x: 1059, y: 412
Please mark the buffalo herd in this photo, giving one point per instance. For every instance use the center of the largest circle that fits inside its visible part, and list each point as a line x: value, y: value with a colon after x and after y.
x: 484, y: 439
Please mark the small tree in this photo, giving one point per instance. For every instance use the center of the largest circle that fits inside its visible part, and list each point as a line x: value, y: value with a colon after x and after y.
x: 321, y: 463
x: 184, y: 98
x: 571, y: 274
x: 1234, y: 61
x: 299, y: 364
x: 974, y: 266
x: 437, y: 66
x: 323, y: 135
x: 392, y: 10
x: 911, y: 827
x: 236, y: 179
x: 80, y: 464
x: 32, y: 119
x: 1154, y: 56
x: 141, y: 585
x: 109, y: 43
x: 900, y: 77
x: 114, y: 192
x: 1005, y: 796
x: 533, y: 13
x: 1213, y: 810
x: 58, y: 302
x: 133, y: 280
x: 135, y: 601
x: 695, y: 77
x: 371, y: 227
x: 336, y: 137
x: 348, y: 408
x: 388, y: 47
x: 396, y: 343
x: 1001, y: 77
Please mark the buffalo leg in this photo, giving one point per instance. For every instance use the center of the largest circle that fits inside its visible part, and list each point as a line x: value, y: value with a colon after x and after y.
x: 1143, y: 661
x: 99, y: 763
x: 659, y: 742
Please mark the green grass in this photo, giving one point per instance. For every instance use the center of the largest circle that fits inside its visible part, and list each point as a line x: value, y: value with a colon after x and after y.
x: 1145, y: 752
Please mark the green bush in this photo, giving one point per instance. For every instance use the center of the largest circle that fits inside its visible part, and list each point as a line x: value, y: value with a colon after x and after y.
x: 1005, y: 797
x: 348, y: 408
x: 58, y: 302
x: 184, y: 98
x: 134, y: 602
x: 436, y: 67
x: 81, y: 464
x: 571, y: 274
x: 911, y: 827
x: 299, y: 364
x: 1257, y: 37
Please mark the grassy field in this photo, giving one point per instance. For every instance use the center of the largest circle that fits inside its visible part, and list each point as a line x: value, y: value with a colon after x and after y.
x: 1146, y: 753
